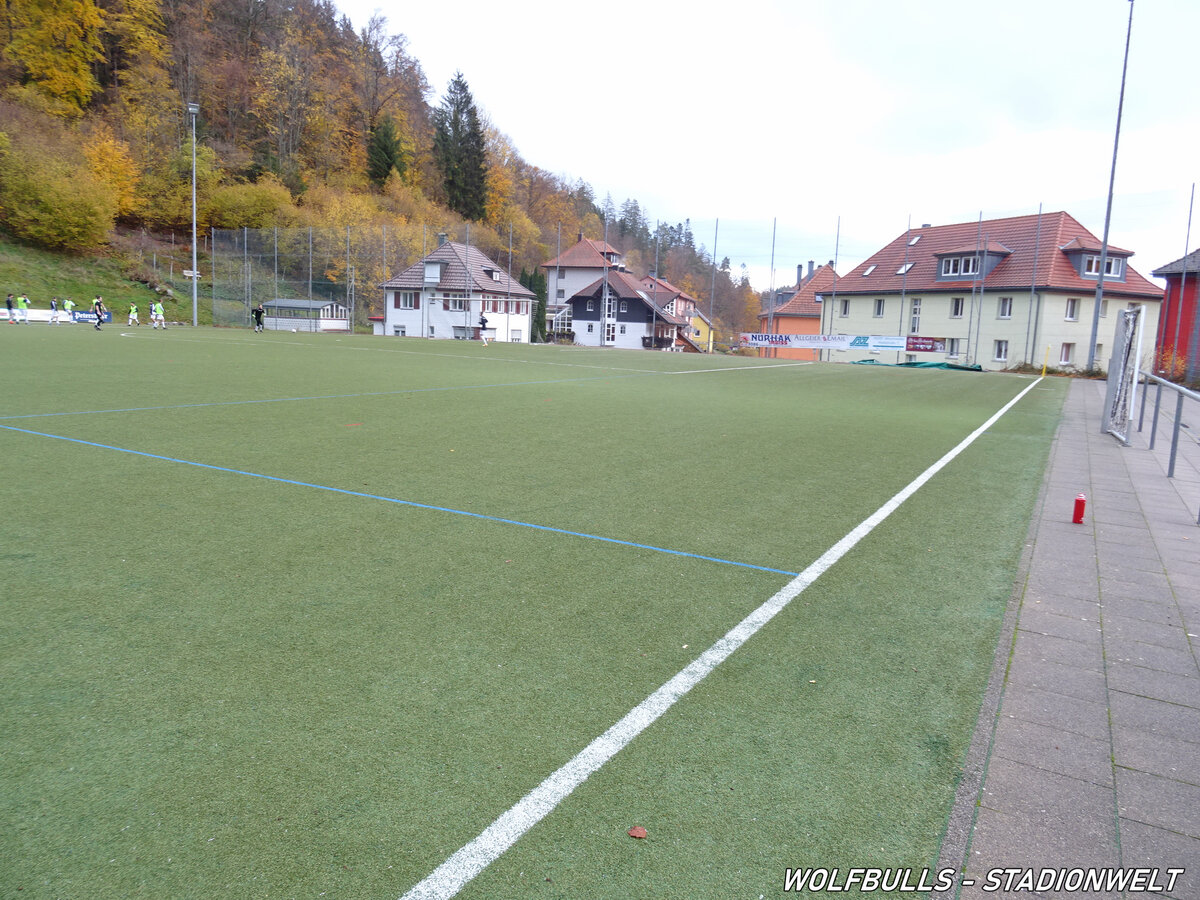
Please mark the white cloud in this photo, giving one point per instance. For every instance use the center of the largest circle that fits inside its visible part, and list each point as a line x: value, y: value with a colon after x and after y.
x: 804, y: 112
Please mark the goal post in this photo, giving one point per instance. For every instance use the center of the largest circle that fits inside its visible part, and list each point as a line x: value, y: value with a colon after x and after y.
x: 1120, y: 397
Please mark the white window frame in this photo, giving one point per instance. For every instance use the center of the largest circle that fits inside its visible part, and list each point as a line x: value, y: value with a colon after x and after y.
x: 1004, y: 308
x: 1000, y: 351
x: 1112, y: 266
x: 457, y: 304
x: 880, y: 306
x: 1071, y: 314
x: 950, y: 266
x: 845, y: 310
x: 956, y: 307
x: 1066, y: 354
x: 914, y: 323
x: 952, y: 347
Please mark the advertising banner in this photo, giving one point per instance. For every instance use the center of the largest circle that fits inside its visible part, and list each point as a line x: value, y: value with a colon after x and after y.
x: 797, y: 341
x: 867, y: 342
x: 925, y: 345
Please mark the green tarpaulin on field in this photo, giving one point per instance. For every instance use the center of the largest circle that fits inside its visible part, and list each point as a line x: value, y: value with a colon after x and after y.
x: 918, y: 365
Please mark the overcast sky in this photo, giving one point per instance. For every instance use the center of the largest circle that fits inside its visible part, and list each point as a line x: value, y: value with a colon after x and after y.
x: 807, y: 112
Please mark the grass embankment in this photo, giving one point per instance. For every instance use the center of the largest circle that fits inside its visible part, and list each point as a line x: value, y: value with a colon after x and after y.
x: 41, y: 274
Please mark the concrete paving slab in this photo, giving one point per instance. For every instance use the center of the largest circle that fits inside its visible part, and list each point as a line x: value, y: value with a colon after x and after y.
x: 1047, y: 747
x: 1156, y: 754
x: 1068, y: 714
x: 1085, y: 684
x: 1154, y: 716
x: 1183, y: 690
x: 1145, y: 845
x: 1162, y: 802
x: 1061, y: 650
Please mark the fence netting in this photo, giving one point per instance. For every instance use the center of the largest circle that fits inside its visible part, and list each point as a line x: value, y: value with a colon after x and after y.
x: 344, y: 266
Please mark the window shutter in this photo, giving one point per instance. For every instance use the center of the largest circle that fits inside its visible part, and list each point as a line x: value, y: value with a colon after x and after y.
x: 416, y: 299
x: 446, y: 303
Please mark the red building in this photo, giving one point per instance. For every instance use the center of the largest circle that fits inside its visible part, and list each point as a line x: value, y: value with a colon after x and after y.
x: 1177, y: 324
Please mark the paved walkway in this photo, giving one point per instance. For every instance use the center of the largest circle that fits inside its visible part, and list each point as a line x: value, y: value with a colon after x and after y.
x: 1087, y: 752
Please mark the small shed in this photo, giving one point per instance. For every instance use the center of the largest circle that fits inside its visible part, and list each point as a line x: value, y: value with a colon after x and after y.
x: 283, y: 314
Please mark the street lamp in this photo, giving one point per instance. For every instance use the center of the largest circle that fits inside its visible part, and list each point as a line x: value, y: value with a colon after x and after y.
x: 1091, y: 359
x: 194, y: 109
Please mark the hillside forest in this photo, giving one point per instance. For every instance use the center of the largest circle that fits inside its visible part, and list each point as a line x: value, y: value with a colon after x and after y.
x: 302, y: 122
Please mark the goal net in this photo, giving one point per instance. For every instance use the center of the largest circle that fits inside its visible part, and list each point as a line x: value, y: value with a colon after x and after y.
x: 1121, y: 394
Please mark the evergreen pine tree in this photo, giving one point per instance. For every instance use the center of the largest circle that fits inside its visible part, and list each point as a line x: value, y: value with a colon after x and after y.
x: 460, y: 152
x: 536, y: 282
x: 384, y: 153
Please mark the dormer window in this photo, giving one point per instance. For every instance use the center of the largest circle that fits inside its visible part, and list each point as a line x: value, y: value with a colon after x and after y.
x: 1113, y: 267
x: 959, y: 265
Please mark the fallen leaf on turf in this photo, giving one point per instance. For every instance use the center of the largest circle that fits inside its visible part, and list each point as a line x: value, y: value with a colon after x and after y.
x: 637, y: 831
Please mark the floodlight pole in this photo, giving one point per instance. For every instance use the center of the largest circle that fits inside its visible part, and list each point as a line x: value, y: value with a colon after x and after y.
x: 193, y: 109
x: 1091, y: 364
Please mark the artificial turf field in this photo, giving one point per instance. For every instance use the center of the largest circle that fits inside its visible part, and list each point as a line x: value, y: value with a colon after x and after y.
x: 275, y: 623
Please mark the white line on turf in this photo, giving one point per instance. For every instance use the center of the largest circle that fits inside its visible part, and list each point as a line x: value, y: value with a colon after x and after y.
x: 465, y: 864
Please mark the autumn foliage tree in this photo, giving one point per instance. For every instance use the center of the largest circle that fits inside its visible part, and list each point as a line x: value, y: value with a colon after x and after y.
x: 303, y: 121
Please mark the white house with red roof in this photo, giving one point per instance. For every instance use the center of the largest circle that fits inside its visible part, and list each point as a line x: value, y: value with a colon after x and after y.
x: 998, y: 293
x: 444, y: 294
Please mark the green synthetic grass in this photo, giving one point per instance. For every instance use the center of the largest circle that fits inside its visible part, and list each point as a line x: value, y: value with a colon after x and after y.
x: 220, y: 685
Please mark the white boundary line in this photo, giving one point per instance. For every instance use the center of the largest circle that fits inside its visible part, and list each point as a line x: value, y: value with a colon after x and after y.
x: 451, y: 876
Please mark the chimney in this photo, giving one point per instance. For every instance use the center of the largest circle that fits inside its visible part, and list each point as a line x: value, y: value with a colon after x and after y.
x: 441, y: 238
x: 580, y: 239
x: 810, y: 268
x: 799, y: 274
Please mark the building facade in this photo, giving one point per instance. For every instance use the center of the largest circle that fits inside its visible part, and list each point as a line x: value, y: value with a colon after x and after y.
x: 444, y: 294
x: 1179, y: 331
x: 617, y: 311
x: 799, y: 313
x: 999, y: 294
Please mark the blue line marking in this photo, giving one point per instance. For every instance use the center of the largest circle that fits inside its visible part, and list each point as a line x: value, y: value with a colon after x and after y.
x: 410, y: 503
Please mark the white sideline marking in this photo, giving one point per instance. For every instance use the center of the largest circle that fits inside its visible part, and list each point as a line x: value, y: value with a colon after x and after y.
x: 451, y: 876
x: 739, y: 368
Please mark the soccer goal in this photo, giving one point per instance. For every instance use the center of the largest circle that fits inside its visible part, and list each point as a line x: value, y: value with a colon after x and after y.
x: 1121, y: 395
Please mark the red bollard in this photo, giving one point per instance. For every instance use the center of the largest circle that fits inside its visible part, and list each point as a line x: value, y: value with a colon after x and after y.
x: 1080, y: 505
